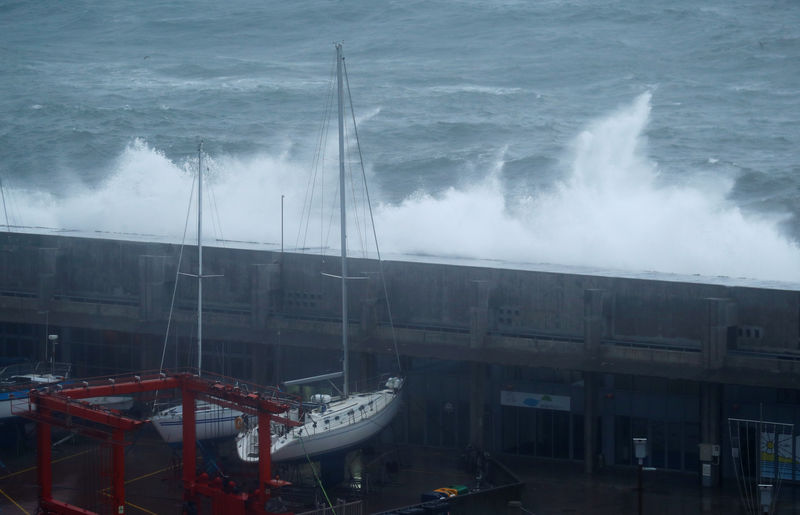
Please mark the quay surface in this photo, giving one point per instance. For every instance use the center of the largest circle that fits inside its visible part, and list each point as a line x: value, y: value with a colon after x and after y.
x: 532, y: 364
x: 153, y: 483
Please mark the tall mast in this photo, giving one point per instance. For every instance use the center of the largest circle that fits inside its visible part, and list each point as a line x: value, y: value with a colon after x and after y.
x: 200, y: 258
x: 346, y: 360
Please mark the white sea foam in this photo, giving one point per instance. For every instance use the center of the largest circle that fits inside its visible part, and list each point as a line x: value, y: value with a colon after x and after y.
x: 611, y: 210
x: 472, y: 88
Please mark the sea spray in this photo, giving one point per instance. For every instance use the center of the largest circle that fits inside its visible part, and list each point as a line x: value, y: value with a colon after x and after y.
x: 611, y: 210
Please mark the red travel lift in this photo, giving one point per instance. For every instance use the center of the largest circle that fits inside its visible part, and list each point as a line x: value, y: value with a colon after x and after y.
x: 47, y: 403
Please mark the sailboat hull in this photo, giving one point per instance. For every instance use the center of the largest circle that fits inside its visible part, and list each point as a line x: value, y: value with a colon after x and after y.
x: 211, y: 422
x: 343, y: 424
x: 16, y: 382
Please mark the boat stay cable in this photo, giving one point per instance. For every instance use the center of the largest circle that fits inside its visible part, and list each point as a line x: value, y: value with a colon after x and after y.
x: 372, y: 219
x: 177, y: 275
x: 5, y: 209
x: 316, y: 166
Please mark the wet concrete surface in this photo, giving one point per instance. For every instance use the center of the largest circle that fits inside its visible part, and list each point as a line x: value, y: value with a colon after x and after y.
x: 391, y: 478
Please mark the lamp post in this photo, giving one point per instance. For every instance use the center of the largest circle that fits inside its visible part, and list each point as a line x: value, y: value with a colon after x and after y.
x: 640, y: 451
x: 765, y: 498
x: 54, y: 340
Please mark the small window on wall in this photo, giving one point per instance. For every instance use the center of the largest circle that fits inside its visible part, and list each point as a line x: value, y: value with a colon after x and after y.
x: 750, y: 332
x: 507, y: 316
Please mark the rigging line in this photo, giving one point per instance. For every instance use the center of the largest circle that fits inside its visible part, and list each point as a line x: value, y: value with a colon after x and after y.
x: 177, y: 274
x: 319, y: 153
x: 743, y: 451
x: 733, y: 457
x: 323, y: 241
x: 749, y: 483
x: 372, y: 220
x: 314, y: 470
x: 788, y: 436
x: 760, y: 429
x: 772, y: 428
x: 788, y: 439
x: 317, y: 165
x: 5, y: 211
x: 320, y: 170
x: 738, y: 465
x: 175, y: 291
x: 354, y: 201
x: 215, y: 212
x: 776, y: 462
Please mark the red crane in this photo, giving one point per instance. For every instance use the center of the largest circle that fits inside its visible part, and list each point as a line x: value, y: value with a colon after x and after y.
x: 59, y: 406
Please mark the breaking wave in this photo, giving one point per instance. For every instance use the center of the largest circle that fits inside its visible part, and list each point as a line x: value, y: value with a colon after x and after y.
x: 611, y: 210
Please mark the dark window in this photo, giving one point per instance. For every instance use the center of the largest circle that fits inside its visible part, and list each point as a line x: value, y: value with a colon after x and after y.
x: 577, y: 437
x: 527, y: 430
x: 622, y: 440
x: 544, y: 433
x: 674, y: 450
x: 561, y: 434
x: 691, y: 440
x: 509, y: 426
x: 658, y: 444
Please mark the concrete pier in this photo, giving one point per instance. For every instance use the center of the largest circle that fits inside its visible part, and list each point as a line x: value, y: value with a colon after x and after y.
x: 614, y: 357
x: 603, y: 324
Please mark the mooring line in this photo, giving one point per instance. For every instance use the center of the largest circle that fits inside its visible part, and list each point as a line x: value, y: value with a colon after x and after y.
x: 14, y: 502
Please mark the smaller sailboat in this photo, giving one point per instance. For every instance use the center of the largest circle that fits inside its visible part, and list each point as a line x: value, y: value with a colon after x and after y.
x: 212, y: 421
x: 17, y: 380
x: 333, y: 424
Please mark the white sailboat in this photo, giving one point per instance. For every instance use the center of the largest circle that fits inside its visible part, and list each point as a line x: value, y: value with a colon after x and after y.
x: 17, y: 380
x: 212, y: 421
x: 334, y: 424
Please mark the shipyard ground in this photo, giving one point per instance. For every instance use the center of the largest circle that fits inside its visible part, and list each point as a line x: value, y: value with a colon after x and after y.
x: 153, y: 485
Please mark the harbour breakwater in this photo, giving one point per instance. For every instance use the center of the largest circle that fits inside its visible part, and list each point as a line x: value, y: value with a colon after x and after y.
x: 685, y: 330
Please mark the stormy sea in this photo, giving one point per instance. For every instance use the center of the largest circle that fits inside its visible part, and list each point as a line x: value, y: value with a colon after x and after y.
x: 648, y: 139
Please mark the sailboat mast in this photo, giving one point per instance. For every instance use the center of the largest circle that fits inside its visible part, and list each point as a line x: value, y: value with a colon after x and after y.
x: 346, y: 359
x: 200, y: 258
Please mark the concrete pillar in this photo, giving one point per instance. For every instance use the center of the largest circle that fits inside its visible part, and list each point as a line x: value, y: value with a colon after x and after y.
x: 367, y: 370
x: 372, y: 291
x: 369, y: 318
x: 710, y: 433
x: 153, y: 293
x: 720, y: 321
x: 261, y: 366
x: 479, y: 314
x: 605, y: 411
x: 64, y: 352
x: 149, y: 351
x: 265, y: 292
x: 589, y: 421
x: 477, y: 401
x: 593, y: 325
